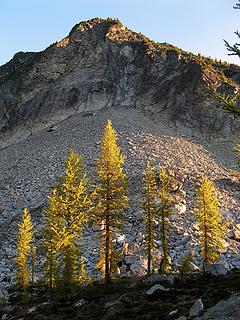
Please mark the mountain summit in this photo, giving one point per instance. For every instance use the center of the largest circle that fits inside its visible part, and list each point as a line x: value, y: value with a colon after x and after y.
x: 102, y: 64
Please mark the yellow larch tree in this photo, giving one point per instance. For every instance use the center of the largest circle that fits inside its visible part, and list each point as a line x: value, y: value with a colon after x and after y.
x: 25, y: 238
x: 165, y: 209
x: 110, y: 197
x: 66, y: 214
x: 150, y: 212
x: 212, y: 229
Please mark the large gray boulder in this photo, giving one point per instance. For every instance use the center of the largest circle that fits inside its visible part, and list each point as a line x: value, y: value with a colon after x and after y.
x: 196, y: 308
x: 217, y: 269
x: 224, y: 310
x: 156, y: 289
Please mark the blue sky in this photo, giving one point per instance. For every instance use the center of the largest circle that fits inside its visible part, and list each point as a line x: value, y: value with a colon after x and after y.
x: 193, y: 25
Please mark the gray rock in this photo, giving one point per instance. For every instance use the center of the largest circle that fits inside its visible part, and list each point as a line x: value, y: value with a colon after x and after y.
x: 186, y: 239
x: 173, y: 313
x: 39, y: 306
x: 1, y: 207
x: 98, y: 227
x: 3, y: 294
x: 79, y: 303
x: 130, y: 248
x: 137, y: 269
x: 236, y: 233
x: 129, y: 259
x: 196, y: 309
x: 19, y: 204
x: 224, y: 310
x: 32, y: 310
x: 195, y: 267
x: 180, y: 208
x: 156, y: 288
x: 160, y: 277
x: 217, y: 269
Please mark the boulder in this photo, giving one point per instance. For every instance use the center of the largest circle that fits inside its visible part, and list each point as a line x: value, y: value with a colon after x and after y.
x: 173, y: 313
x: 156, y: 288
x: 98, y: 226
x: 180, y: 208
x: 224, y: 310
x: 196, y: 309
x: 19, y: 204
x: 217, y: 269
x: 129, y: 259
x: 130, y: 248
x: 1, y: 207
x: 156, y: 277
x: 79, y: 303
x: 186, y: 239
x: 52, y: 128
x: 236, y: 232
x: 137, y: 269
x: 38, y: 307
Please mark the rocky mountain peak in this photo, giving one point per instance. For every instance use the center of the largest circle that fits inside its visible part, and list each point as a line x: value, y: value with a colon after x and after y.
x: 103, y: 64
x: 102, y: 30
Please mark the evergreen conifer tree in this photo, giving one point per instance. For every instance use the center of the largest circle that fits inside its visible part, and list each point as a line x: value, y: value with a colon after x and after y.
x: 23, y: 249
x: 150, y: 212
x: 110, y: 195
x: 165, y: 202
x: 212, y: 229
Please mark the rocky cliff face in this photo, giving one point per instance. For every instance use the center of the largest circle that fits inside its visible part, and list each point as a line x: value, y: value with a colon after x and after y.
x: 101, y: 64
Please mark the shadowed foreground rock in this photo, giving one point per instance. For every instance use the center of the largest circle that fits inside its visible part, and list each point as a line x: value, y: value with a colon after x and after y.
x: 224, y: 310
x: 130, y: 299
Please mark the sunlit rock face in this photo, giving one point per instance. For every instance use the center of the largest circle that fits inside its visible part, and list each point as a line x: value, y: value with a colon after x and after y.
x: 102, y: 64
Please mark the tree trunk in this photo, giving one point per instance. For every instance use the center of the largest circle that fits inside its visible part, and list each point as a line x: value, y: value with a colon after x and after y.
x: 205, y: 258
x: 107, y: 253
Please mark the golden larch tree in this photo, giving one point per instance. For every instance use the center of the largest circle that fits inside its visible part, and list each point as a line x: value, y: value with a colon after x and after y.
x: 150, y: 212
x: 66, y: 214
x: 212, y: 229
x: 110, y: 197
x: 25, y: 238
x: 165, y: 209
